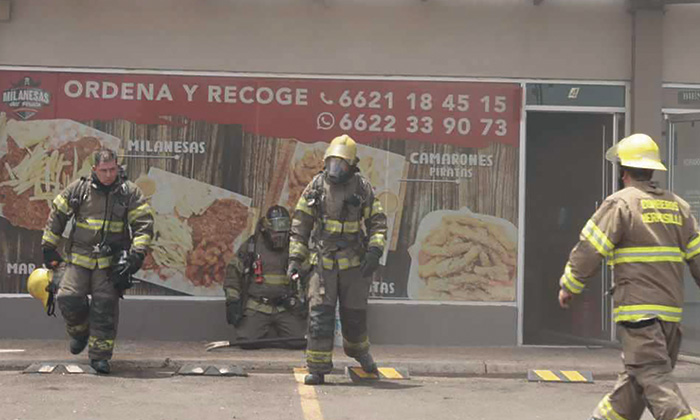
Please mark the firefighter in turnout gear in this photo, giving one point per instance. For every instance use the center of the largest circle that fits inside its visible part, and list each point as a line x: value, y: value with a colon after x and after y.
x: 261, y: 300
x: 648, y: 235
x: 329, y: 216
x: 111, y: 231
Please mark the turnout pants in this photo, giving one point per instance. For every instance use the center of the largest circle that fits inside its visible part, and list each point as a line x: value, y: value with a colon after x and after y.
x: 256, y: 325
x: 96, y: 319
x: 649, y: 352
x: 326, y: 287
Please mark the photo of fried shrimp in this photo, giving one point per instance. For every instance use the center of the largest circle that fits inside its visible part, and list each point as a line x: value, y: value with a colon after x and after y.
x: 466, y: 258
x: 302, y: 172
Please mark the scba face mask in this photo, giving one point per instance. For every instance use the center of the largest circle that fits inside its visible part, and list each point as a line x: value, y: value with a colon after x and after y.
x: 338, y: 170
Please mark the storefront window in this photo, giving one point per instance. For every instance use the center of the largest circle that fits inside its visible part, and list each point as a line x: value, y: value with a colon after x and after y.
x: 685, y: 178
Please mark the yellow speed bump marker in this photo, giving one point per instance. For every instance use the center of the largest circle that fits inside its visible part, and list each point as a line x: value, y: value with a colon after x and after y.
x: 357, y: 374
x: 563, y: 376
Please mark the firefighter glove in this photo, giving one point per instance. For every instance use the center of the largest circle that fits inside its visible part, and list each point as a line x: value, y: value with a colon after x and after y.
x: 371, y: 261
x: 135, y: 261
x: 51, y: 257
x: 234, y: 311
x: 294, y: 269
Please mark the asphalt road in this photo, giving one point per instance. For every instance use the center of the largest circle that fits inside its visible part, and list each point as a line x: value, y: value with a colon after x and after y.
x: 159, y: 395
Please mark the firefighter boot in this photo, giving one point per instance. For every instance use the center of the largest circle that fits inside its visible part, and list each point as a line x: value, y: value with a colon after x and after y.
x: 77, y: 345
x: 367, y: 363
x: 100, y: 366
x: 314, y: 379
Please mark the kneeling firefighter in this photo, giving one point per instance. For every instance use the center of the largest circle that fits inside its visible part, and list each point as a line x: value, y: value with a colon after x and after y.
x: 261, y: 300
x: 330, y: 212
x: 112, y: 230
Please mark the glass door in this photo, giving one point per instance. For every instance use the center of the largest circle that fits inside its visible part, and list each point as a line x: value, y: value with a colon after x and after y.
x: 684, y: 178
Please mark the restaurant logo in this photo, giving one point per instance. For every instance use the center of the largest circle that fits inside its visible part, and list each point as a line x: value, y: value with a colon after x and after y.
x: 26, y: 98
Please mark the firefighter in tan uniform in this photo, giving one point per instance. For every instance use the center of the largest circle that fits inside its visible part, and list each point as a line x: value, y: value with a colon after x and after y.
x: 260, y: 300
x: 648, y: 235
x: 329, y: 215
x: 112, y: 229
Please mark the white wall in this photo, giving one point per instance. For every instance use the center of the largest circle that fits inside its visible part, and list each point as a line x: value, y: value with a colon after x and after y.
x: 491, y: 38
x: 682, y: 44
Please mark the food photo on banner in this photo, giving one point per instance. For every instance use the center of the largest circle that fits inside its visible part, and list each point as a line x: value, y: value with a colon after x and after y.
x: 213, y: 153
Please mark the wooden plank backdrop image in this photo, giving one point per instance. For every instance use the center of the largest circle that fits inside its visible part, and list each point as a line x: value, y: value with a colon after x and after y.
x: 257, y: 169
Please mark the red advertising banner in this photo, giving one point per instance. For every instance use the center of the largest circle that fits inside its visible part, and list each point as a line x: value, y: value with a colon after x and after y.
x: 442, y: 157
x: 464, y: 114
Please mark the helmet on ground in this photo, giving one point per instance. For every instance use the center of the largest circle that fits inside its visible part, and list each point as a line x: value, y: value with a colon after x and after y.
x: 276, y: 225
x: 38, y: 285
x: 636, y: 151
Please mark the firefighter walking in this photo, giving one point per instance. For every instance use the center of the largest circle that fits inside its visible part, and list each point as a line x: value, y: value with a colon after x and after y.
x: 112, y: 229
x: 648, y: 235
x: 329, y: 216
x: 260, y: 299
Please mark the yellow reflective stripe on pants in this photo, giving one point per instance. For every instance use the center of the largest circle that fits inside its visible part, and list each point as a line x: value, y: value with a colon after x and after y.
x: 298, y: 250
x: 61, y: 204
x: 647, y: 254
x: 570, y: 282
x: 690, y: 416
x: 377, y: 207
x: 336, y: 226
x: 343, y: 263
x: 50, y: 237
x: 693, y: 247
x: 377, y: 240
x: 303, y: 206
x: 607, y: 410
x: 139, y: 211
x: 634, y: 313
x: 314, y: 356
x: 89, y: 262
x: 96, y: 224
x: 597, y: 238
x: 100, y: 343
x: 276, y: 279
x: 142, y: 240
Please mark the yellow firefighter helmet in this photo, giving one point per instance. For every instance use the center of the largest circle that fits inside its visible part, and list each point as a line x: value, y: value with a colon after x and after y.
x: 38, y: 285
x: 636, y: 151
x: 343, y: 147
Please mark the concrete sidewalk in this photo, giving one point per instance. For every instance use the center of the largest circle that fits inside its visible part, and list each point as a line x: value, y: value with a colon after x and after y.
x: 421, y: 361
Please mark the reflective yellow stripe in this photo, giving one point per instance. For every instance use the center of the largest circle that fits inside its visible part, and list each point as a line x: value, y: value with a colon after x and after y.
x: 100, y: 343
x: 139, y: 211
x: 597, y: 238
x: 607, y: 410
x: 303, y: 206
x: 90, y: 263
x: 61, y: 204
x: 636, y: 313
x: 314, y: 356
x: 50, y: 237
x: 298, y: 249
x: 547, y: 375
x: 142, y: 240
x: 343, y: 263
x: 276, y: 279
x: 648, y: 254
x: 570, y: 282
x: 377, y: 240
x: 687, y: 417
x: 96, y: 224
x: 693, y: 247
x: 377, y: 207
x: 336, y: 226
x: 362, y: 345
